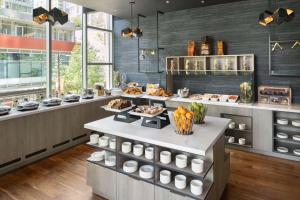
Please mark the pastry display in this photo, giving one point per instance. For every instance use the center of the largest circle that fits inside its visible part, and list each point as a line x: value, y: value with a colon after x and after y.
x: 160, y: 92
x: 206, y: 97
x: 199, y: 111
x: 133, y: 91
x: 196, y: 96
x: 133, y: 84
x: 215, y: 97
x: 151, y: 110
x: 183, y: 120
x: 233, y: 98
x: 119, y: 104
x: 224, y: 98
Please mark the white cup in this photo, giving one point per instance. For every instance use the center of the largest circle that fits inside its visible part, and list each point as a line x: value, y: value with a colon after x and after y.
x: 138, y: 149
x: 242, y: 126
x: 231, y: 125
x: 242, y: 141
x: 103, y: 141
x: 181, y: 161
x: 126, y: 147
x: 94, y: 138
x: 231, y: 140
x: 165, y: 176
x: 197, y: 165
x: 149, y: 153
x: 165, y: 157
x: 112, y: 143
x: 180, y: 181
x: 196, y: 187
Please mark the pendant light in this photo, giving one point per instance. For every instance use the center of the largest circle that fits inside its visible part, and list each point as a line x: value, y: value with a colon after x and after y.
x: 127, y: 32
x: 41, y: 15
x: 279, y: 16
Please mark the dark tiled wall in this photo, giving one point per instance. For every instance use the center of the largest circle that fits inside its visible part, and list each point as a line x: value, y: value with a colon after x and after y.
x: 234, y: 23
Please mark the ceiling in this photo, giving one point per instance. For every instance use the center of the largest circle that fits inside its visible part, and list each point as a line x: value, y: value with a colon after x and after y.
x: 121, y: 8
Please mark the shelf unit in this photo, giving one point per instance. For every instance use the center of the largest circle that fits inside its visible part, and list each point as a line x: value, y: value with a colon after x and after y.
x: 211, y: 65
x: 238, y: 133
x: 205, y: 176
x: 288, y: 129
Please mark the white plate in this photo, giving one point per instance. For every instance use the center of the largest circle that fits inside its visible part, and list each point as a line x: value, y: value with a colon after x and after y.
x: 146, y: 171
x: 159, y: 98
x: 146, y: 115
x: 296, y: 137
x: 282, y: 121
x: 132, y: 95
x: 296, y: 152
x: 130, y: 166
x: 282, y: 135
x: 283, y: 149
x: 116, y: 110
x: 296, y: 123
x: 94, y: 160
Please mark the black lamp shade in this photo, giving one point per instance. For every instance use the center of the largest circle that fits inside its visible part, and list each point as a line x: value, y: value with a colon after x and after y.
x: 137, y: 32
x: 127, y: 33
x: 290, y: 15
x: 59, y: 16
x: 266, y: 18
x: 280, y: 15
x: 40, y: 15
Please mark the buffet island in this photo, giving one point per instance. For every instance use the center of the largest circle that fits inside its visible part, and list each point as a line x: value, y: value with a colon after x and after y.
x: 136, y: 162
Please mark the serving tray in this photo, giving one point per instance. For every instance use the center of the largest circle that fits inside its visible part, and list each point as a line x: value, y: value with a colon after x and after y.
x: 146, y: 115
x: 117, y: 110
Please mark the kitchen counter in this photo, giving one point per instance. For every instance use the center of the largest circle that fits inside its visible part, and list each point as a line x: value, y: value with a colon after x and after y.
x: 14, y: 113
x: 204, y: 136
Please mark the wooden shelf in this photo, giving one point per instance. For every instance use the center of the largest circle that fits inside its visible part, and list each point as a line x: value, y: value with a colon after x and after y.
x: 187, y: 170
x: 102, y: 148
x: 187, y: 192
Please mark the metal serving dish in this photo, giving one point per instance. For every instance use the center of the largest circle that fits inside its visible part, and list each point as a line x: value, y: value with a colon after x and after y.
x: 52, y: 102
x: 4, y: 110
x: 27, y: 105
x: 88, y: 94
x: 71, y: 98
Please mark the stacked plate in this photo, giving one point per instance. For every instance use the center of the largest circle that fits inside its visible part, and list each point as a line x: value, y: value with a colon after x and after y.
x: 296, y: 123
x: 282, y: 135
x: 282, y: 121
x: 296, y: 137
x: 297, y: 152
x: 130, y: 166
x: 97, y: 156
x: 282, y: 149
x: 146, y: 171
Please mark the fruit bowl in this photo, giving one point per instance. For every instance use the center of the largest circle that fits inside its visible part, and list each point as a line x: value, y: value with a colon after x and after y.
x: 184, y: 120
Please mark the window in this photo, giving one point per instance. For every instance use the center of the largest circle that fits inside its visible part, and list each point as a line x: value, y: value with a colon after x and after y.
x: 99, y: 42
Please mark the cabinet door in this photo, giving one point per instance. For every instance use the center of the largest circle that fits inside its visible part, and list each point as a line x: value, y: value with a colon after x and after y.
x: 102, y: 180
x: 165, y: 194
x: 132, y: 189
x: 262, y: 130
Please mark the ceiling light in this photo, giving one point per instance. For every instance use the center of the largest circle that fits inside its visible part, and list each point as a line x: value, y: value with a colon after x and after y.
x: 167, y: 1
x: 266, y: 18
x: 41, y: 15
x: 59, y: 15
x: 127, y: 32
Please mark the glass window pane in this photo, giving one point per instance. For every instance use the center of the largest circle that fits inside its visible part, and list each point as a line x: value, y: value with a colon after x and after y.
x: 18, y: 55
x: 66, y: 53
x: 100, y: 20
x: 98, y: 74
x: 99, y: 46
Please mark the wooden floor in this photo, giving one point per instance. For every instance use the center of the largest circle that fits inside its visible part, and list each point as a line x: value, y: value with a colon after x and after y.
x: 62, y: 177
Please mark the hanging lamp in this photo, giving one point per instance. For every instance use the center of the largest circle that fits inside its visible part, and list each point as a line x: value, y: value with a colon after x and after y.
x: 127, y: 32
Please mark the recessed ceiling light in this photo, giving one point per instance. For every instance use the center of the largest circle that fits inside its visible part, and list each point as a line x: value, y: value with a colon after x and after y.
x: 167, y: 1
x: 202, y: 1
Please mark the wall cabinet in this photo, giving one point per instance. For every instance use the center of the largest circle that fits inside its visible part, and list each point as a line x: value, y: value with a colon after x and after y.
x: 165, y: 194
x: 102, y: 180
x: 129, y: 188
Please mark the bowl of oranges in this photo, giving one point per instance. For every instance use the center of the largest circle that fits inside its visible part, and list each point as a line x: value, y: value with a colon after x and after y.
x: 184, y: 120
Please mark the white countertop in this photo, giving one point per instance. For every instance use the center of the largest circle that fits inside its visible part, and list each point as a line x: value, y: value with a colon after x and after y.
x: 292, y: 108
x: 14, y: 113
x: 203, y: 138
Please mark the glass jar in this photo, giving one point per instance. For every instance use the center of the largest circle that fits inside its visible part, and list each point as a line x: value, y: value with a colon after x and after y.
x: 246, y: 92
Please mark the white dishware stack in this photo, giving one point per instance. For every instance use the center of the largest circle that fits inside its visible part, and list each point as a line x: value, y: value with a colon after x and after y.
x: 231, y: 125
x: 149, y: 153
x: 165, y: 176
x: 242, y: 141
x: 138, y: 150
x: 283, y: 149
x: 146, y: 171
x: 110, y: 160
x: 296, y: 123
x: 296, y: 137
x: 103, y: 141
x: 126, y: 147
x: 113, y: 143
x: 94, y: 138
x: 282, y: 135
x: 282, y: 121
x: 196, y: 187
x: 296, y: 152
x: 180, y: 181
x: 165, y: 157
x: 97, y: 156
x: 197, y: 165
x: 242, y: 126
x: 181, y: 161
x: 130, y: 166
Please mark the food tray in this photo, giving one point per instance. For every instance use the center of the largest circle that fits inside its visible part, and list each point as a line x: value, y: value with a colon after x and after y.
x: 117, y: 110
x: 147, y: 115
x: 132, y: 95
x: 159, y: 98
